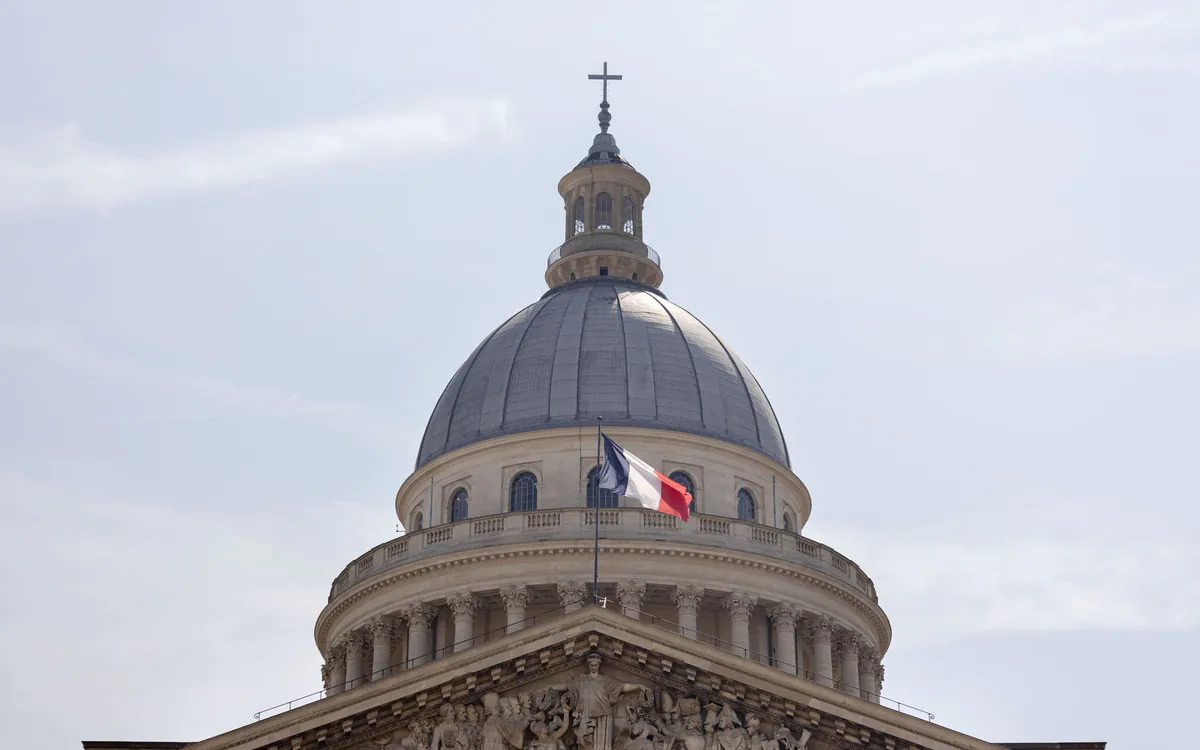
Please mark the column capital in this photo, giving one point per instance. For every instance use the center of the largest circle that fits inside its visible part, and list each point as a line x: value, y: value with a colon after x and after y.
x: 687, y: 597
x: 630, y: 593
x: 819, y: 628
x: 462, y: 603
x: 846, y: 641
x: 878, y: 678
x: 418, y: 615
x: 515, y: 596
x: 739, y: 603
x: 785, y: 614
x: 867, y: 654
x: 381, y: 627
x: 326, y: 673
x: 570, y: 593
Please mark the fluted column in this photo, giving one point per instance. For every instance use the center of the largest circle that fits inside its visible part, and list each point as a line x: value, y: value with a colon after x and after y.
x: 848, y: 643
x: 739, y: 605
x: 398, y: 657
x: 419, y: 618
x: 630, y: 594
x: 516, y: 598
x: 687, y: 601
x: 337, y: 667
x: 354, y: 660
x: 571, y: 595
x: 821, y: 633
x: 783, y: 617
x: 868, y: 662
x: 462, y: 604
x: 381, y: 653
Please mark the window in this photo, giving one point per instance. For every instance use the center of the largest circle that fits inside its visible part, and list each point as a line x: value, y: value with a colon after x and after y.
x: 627, y: 216
x: 572, y: 277
x: 577, y: 216
x: 635, y: 275
x: 458, y: 506
x: 603, y: 270
x: 418, y: 521
x: 682, y: 477
x: 745, y: 505
x: 788, y: 523
x: 608, y: 499
x: 604, y: 217
x: 522, y: 494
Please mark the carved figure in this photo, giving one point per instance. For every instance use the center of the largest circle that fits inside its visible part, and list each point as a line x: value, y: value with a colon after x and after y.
x: 446, y: 735
x: 730, y: 735
x: 418, y: 736
x: 549, y: 737
x: 755, y: 738
x: 594, y: 696
x: 500, y: 733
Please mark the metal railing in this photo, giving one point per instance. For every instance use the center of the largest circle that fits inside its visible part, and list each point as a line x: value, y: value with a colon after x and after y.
x: 604, y: 240
x: 828, y: 680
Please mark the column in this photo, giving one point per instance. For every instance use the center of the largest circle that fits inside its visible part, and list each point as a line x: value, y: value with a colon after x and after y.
x: 462, y: 604
x: 570, y: 593
x: 878, y: 681
x: 868, y: 662
x: 381, y: 653
x: 516, y: 598
x: 820, y: 630
x: 848, y: 642
x: 687, y: 601
x: 630, y: 593
x: 419, y: 618
x: 354, y: 660
x: 783, y: 618
x: 738, y: 605
x: 398, y: 655
x: 337, y: 667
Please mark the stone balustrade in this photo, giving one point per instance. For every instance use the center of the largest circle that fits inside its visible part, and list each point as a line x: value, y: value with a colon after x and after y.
x: 623, y: 524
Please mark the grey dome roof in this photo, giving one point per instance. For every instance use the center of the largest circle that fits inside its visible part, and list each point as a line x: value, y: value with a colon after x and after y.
x: 603, y: 347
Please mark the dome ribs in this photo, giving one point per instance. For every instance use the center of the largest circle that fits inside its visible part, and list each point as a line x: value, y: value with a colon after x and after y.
x: 639, y: 359
x: 564, y: 379
x: 602, y: 387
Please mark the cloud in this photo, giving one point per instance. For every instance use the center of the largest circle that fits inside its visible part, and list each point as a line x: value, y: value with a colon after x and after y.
x: 1112, y: 312
x: 63, y: 169
x: 1060, y: 568
x: 229, y: 398
x: 1110, y: 46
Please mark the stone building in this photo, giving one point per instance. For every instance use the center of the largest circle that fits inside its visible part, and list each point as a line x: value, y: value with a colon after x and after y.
x: 479, y: 628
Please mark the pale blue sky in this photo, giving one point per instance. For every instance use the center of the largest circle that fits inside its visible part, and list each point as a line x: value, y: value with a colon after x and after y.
x: 243, y: 246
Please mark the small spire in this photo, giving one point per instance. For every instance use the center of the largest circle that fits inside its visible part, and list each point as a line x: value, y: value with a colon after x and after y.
x: 605, y: 118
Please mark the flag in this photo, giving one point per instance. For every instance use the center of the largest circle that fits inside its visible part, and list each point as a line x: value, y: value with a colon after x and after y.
x: 626, y: 474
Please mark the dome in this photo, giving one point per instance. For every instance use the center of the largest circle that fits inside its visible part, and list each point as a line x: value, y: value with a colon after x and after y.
x: 607, y: 347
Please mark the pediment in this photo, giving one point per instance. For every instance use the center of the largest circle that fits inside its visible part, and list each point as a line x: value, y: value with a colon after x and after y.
x: 592, y: 680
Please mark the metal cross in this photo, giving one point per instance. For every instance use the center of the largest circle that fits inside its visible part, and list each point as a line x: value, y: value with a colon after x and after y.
x: 604, y: 77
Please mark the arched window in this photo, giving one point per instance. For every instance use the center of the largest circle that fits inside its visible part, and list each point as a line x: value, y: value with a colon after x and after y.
x: 522, y: 493
x: 604, y: 217
x: 458, y: 505
x: 572, y: 277
x: 682, y: 477
x: 627, y: 216
x: 635, y: 275
x: 788, y: 523
x: 577, y: 216
x: 608, y: 499
x: 418, y: 521
x: 745, y: 505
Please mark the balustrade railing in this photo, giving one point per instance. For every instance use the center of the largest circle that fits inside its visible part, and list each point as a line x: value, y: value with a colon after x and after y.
x: 615, y: 523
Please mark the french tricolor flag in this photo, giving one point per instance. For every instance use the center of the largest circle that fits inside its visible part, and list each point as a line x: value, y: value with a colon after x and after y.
x: 626, y: 474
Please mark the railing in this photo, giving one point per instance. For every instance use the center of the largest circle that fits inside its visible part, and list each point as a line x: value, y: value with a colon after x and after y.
x: 553, y: 614
x: 604, y: 240
x: 562, y: 524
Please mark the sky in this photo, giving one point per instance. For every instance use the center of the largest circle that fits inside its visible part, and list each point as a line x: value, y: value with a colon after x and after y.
x: 243, y: 246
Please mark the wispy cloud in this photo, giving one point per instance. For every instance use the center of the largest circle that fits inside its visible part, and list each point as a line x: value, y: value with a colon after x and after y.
x: 227, y: 398
x: 1116, y: 45
x: 63, y: 168
x: 1111, y: 312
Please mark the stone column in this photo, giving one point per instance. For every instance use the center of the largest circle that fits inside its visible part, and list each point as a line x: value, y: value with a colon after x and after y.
x: 820, y: 630
x: 398, y: 656
x: 419, y: 618
x: 868, y: 662
x: 739, y: 606
x: 381, y: 653
x: 571, y: 595
x: 848, y: 643
x: 515, y: 597
x: 878, y: 681
x: 462, y: 604
x: 354, y: 660
x: 687, y: 601
x: 783, y: 617
x: 337, y: 667
x: 630, y: 594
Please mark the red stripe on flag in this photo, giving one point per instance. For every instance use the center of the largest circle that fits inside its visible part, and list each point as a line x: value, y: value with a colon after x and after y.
x: 675, y: 499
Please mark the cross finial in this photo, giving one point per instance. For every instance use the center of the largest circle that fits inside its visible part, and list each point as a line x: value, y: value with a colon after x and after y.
x: 605, y: 117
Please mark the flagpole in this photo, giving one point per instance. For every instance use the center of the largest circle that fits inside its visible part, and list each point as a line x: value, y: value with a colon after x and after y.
x: 596, y: 516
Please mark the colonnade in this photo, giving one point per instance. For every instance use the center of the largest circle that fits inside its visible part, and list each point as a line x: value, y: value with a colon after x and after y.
x: 840, y: 657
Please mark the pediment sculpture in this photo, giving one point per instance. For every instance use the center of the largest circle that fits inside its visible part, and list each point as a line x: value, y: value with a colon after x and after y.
x: 595, y: 711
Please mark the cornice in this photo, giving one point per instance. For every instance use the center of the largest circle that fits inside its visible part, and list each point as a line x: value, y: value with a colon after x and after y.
x: 813, y: 579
